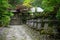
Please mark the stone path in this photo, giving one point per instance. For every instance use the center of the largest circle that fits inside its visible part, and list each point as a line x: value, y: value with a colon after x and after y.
x: 21, y: 32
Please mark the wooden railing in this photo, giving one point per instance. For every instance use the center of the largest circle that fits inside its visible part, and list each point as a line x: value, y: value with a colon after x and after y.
x: 38, y: 24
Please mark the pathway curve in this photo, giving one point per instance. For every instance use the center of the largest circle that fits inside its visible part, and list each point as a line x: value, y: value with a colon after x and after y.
x: 22, y: 32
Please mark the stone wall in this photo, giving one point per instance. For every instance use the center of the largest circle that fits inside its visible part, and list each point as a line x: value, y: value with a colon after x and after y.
x: 39, y: 24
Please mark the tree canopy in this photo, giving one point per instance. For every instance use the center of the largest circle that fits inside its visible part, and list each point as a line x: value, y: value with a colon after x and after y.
x: 5, y: 14
x: 51, y: 7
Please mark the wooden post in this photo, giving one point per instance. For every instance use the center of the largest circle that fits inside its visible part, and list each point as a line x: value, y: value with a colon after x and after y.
x: 45, y: 28
x: 39, y: 24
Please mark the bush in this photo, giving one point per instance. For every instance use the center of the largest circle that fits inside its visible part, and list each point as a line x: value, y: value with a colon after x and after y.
x: 5, y: 14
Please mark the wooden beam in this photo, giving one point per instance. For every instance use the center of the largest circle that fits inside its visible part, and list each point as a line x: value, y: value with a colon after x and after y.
x: 13, y: 11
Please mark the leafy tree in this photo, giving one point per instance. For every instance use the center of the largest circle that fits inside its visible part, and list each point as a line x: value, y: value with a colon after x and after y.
x: 52, y: 11
x: 5, y: 14
x: 51, y: 7
x: 37, y: 3
x: 27, y: 3
x: 15, y: 2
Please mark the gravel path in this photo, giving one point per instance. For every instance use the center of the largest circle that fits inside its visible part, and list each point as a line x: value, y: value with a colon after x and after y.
x: 21, y: 32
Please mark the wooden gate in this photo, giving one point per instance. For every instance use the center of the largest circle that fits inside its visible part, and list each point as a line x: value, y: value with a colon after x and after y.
x: 16, y: 19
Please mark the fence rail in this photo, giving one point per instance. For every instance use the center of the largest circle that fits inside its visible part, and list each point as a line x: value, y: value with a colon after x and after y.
x: 38, y: 24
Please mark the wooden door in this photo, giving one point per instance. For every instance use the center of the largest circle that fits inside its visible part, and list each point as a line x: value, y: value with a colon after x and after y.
x: 16, y: 20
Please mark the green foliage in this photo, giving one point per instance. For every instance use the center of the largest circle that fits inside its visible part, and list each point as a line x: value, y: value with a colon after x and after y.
x: 36, y: 3
x: 15, y: 2
x: 48, y: 31
x: 27, y: 3
x: 50, y: 7
x: 5, y: 14
x: 58, y: 14
x: 51, y: 11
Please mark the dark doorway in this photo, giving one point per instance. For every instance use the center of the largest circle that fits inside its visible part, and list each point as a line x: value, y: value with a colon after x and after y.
x: 16, y: 19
